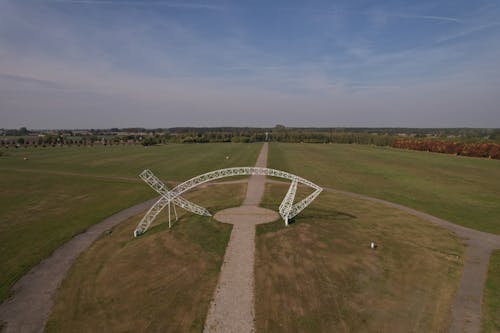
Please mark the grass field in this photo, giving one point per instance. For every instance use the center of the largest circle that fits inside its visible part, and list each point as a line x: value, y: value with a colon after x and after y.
x: 160, y: 282
x: 462, y: 190
x: 59, y: 192
x: 174, y: 162
x: 320, y: 269
x: 491, y: 298
x: 319, y: 274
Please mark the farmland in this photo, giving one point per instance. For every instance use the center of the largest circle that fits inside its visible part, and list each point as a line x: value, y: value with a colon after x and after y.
x: 59, y: 192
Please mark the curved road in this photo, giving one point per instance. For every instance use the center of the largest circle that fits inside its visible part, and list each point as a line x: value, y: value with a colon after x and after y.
x: 28, y: 309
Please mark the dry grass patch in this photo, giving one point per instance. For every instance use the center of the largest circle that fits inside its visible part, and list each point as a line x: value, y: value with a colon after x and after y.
x: 161, y: 282
x: 320, y: 275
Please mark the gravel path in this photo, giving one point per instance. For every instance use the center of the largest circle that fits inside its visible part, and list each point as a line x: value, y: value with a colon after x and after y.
x: 29, y: 308
x: 232, y: 307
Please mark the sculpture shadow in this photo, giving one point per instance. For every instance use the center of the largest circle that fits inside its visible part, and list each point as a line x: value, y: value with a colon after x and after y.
x: 304, y: 217
x: 327, y: 214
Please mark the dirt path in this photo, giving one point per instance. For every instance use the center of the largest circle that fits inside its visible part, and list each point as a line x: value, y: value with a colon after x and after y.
x: 29, y: 308
x: 232, y: 308
x: 466, y: 308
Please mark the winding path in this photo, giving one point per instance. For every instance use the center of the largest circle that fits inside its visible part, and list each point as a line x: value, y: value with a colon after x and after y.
x: 28, y: 309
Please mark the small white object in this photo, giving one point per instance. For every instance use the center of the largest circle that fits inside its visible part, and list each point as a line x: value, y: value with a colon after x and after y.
x: 227, y: 157
x: 372, y: 245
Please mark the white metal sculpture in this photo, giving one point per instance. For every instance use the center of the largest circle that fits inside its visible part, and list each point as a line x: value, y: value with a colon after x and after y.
x: 287, y: 203
x: 287, y: 209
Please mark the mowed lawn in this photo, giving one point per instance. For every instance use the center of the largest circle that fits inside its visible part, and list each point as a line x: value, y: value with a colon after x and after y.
x: 462, y: 190
x: 173, y: 162
x: 59, y: 192
x: 162, y: 281
x: 319, y: 274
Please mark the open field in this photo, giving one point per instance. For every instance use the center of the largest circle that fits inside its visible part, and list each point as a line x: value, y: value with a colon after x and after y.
x: 411, y: 277
x: 316, y: 275
x: 491, y: 300
x: 162, y: 281
x: 174, y: 162
x: 59, y: 192
x: 462, y: 190
x: 41, y: 212
x: 319, y: 274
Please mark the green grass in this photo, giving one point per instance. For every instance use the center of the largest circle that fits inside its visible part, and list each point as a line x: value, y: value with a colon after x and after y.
x: 166, y: 276
x: 320, y: 275
x: 491, y: 297
x: 172, y: 162
x: 462, y: 190
x: 59, y: 192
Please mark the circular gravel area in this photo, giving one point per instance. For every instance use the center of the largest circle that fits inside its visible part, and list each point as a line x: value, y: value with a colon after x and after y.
x: 246, y: 214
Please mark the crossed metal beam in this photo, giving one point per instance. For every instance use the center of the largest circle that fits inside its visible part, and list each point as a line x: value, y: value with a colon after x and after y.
x: 287, y: 209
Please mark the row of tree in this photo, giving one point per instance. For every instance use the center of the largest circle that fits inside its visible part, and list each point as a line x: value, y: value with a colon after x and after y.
x: 53, y: 141
x: 466, y: 145
x: 489, y: 150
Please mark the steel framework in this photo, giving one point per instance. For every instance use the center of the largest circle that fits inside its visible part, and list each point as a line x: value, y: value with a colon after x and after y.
x: 287, y: 209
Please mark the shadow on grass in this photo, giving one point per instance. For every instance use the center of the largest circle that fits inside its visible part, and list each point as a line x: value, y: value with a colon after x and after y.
x: 324, y: 214
x: 316, y: 214
x: 188, y: 218
x: 158, y: 227
x: 206, y: 232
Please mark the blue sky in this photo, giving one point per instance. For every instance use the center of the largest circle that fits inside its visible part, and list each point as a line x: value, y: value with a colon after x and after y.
x: 154, y: 63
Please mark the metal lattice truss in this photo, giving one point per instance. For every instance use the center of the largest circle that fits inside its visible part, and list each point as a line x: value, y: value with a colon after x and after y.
x: 173, y: 197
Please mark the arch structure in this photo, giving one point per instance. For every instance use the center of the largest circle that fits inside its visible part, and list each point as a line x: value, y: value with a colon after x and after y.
x: 172, y: 198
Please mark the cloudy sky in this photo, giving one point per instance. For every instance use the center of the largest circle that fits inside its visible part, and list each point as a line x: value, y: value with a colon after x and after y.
x: 154, y: 63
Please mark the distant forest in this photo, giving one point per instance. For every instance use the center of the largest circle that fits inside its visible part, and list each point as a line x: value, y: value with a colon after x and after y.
x: 476, y: 142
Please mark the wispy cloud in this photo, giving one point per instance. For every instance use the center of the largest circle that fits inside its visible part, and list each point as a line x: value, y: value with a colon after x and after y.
x: 468, y: 31
x: 24, y: 80
x: 429, y: 17
x: 381, y: 16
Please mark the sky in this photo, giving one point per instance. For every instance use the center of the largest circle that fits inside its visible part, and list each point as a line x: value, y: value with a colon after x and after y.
x: 154, y: 63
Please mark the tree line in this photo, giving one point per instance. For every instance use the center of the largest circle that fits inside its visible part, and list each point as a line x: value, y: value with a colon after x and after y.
x: 465, y: 142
